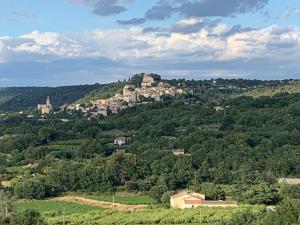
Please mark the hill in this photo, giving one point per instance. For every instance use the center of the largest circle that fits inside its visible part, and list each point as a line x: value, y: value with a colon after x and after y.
x: 22, y: 98
x: 271, y: 90
x: 105, y: 91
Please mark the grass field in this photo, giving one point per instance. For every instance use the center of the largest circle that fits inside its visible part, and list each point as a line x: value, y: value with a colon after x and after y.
x: 47, y: 207
x: 124, y: 199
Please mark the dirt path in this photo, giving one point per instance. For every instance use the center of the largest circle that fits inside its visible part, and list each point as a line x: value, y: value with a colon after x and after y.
x: 100, y: 204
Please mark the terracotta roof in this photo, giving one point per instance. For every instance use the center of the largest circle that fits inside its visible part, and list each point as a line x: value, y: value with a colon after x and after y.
x: 193, y: 202
x: 219, y: 203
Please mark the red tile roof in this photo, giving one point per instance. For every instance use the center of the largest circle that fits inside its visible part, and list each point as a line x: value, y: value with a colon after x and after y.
x: 193, y: 202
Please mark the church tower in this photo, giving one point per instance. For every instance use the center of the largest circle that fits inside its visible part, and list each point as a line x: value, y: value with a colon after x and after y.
x: 48, y: 103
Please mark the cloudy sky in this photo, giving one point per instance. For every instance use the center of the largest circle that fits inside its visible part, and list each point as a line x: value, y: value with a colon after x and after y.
x: 59, y: 42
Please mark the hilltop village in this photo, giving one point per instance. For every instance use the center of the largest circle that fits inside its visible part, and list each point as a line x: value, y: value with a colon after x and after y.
x: 148, y: 91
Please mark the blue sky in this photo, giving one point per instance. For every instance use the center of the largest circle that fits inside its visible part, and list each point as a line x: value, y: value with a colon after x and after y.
x: 59, y: 42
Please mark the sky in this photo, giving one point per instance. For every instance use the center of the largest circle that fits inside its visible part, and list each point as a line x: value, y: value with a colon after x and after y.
x: 66, y: 42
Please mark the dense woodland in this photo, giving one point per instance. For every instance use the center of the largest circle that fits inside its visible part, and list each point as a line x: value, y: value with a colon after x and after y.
x: 239, y: 152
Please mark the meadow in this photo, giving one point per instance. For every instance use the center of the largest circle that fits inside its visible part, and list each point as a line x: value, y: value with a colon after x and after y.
x: 53, y: 207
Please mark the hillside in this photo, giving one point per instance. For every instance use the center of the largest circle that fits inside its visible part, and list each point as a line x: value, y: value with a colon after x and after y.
x: 234, y: 149
x: 105, y: 91
x: 22, y: 98
x: 271, y: 90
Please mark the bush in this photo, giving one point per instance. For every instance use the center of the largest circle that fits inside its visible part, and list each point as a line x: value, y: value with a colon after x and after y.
x: 165, y: 198
x: 30, y: 189
x: 28, y: 217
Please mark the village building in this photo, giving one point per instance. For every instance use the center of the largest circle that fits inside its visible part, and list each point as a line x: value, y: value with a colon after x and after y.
x: 178, y: 151
x: 120, y: 141
x: 188, y: 199
x: 129, y: 94
x: 45, y: 108
x: 148, y: 81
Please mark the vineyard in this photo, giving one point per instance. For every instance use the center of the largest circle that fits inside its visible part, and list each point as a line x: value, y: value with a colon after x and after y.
x: 75, y: 213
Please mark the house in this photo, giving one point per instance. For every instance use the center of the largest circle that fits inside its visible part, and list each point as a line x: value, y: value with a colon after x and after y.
x: 178, y: 151
x: 188, y: 199
x: 291, y: 181
x: 120, y: 141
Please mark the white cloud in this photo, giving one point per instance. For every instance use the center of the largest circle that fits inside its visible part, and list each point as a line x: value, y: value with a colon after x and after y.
x: 132, y: 45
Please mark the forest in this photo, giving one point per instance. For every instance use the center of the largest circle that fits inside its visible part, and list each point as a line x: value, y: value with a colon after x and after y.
x: 238, y: 152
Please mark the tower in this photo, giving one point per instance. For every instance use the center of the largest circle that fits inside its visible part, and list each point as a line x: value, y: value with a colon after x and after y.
x: 48, y: 103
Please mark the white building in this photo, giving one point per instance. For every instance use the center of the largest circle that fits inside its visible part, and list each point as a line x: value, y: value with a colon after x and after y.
x: 120, y: 141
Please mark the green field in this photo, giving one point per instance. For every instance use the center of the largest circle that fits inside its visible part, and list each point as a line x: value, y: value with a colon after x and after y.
x: 55, y: 207
x: 124, y: 199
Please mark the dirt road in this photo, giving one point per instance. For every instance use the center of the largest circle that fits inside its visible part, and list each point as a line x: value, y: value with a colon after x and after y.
x: 100, y: 204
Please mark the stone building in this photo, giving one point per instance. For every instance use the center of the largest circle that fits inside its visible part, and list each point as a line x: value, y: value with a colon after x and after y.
x: 147, y: 81
x: 129, y: 93
x: 45, y: 108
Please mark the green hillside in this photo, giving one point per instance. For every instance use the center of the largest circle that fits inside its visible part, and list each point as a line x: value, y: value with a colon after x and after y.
x: 5, y: 95
x: 292, y: 88
x: 22, y: 98
x: 105, y: 91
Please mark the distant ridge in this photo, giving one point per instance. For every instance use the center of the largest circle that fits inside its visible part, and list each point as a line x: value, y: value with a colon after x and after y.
x: 292, y: 88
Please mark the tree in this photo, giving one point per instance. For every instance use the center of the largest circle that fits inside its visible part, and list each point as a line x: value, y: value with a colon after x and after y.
x: 290, y: 191
x: 28, y: 217
x: 5, y: 207
x: 287, y: 213
x: 131, y: 186
x: 263, y: 193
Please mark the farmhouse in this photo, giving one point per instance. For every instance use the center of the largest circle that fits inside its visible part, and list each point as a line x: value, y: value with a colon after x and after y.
x: 188, y: 199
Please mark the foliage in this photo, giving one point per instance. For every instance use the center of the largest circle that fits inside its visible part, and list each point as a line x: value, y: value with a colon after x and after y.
x: 28, y: 217
x: 287, y: 213
x: 5, y: 207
